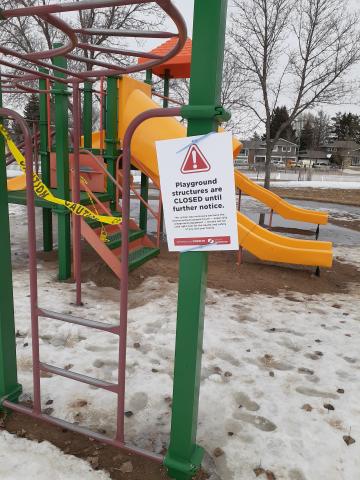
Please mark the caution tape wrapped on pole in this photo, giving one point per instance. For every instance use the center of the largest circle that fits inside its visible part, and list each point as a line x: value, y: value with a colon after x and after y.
x: 43, y: 192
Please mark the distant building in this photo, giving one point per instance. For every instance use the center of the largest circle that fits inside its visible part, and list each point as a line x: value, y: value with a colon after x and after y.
x: 254, y: 152
x: 348, y: 150
x: 355, y: 160
x: 309, y: 157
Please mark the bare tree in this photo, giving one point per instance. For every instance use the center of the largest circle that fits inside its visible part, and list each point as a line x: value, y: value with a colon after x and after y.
x: 297, y: 52
x: 233, y: 92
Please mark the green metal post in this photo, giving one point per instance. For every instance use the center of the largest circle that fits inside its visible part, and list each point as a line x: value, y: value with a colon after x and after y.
x: 104, y: 111
x: 148, y: 78
x: 87, y: 114
x: 166, y: 88
x: 45, y: 163
x: 184, y: 456
x: 111, y: 136
x: 62, y: 169
x: 9, y: 386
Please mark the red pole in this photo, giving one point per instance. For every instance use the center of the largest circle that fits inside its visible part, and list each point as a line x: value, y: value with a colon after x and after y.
x: 101, y: 113
x: 161, y: 112
x: 30, y: 205
x: 76, y: 192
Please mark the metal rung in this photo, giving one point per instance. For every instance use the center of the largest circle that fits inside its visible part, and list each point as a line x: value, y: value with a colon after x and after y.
x: 79, y: 377
x: 82, y: 430
x: 79, y: 321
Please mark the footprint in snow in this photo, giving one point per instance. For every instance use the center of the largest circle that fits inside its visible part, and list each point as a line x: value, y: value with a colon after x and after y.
x: 311, y: 392
x: 138, y: 401
x: 350, y: 360
x: 261, y: 423
x: 243, y: 400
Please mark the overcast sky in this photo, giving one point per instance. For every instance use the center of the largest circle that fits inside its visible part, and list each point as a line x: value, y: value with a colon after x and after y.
x: 187, y: 7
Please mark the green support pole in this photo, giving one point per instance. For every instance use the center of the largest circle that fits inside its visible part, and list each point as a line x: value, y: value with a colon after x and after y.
x: 45, y: 164
x: 111, y: 136
x: 184, y: 456
x: 148, y: 78
x: 87, y: 114
x: 9, y: 386
x: 104, y: 112
x: 62, y: 169
x: 166, y: 88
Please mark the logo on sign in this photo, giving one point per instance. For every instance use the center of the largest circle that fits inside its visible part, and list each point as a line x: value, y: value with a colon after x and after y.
x: 195, y: 161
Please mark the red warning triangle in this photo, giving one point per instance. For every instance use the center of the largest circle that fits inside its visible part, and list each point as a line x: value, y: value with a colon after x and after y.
x: 195, y: 161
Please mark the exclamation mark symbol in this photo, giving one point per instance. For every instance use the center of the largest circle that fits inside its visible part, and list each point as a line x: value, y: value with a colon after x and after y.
x: 194, y: 159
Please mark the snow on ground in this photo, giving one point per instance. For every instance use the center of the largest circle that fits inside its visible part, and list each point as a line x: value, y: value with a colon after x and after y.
x: 13, y: 170
x: 21, y: 458
x: 327, y: 184
x: 264, y: 359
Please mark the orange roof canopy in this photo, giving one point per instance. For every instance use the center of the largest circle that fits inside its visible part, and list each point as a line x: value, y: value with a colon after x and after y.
x: 178, y: 66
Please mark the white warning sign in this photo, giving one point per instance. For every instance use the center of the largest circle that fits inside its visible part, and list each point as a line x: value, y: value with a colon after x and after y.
x: 198, y: 192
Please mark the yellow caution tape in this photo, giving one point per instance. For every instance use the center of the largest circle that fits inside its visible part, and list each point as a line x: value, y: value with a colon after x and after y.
x: 43, y: 192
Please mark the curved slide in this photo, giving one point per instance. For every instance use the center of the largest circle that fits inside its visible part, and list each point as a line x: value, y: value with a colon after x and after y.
x: 135, y: 98
x: 278, y: 204
x: 272, y: 247
x: 16, y: 183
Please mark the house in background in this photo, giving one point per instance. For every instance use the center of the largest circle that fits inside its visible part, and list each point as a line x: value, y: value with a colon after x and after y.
x: 311, y: 157
x: 254, y: 152
x: 347, y: 150
x: 243, y: 157
x: 355, y: 160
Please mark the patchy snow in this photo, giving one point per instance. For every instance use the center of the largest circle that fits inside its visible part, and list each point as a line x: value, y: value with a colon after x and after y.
x: 22, y: 458
x: 327, y: 184
x: 348, y: 255
x: 13, y: 170
x: 264, y: 359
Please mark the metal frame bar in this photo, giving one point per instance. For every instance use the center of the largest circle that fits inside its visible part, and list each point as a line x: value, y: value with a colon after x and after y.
x: 63, y: 317
x: 37, y: 312
x: 46, y: 12
x: 83, y: 431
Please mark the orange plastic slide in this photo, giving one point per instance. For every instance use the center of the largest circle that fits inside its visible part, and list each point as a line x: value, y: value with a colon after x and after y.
x: 16, y: 183
x: 135, y: 98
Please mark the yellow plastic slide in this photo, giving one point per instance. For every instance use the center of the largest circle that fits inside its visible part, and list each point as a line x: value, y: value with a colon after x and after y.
x: 276, y: 203
x: 272, y: 247
x: 135, y: 98
x: 16, y: 183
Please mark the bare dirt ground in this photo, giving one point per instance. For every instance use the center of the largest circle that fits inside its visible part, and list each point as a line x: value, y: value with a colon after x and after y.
x: 100, y: 456
x: 341, y: 196
x: 224, y: 274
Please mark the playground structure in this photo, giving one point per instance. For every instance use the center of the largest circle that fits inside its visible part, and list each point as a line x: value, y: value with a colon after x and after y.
x: 95, y: 171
